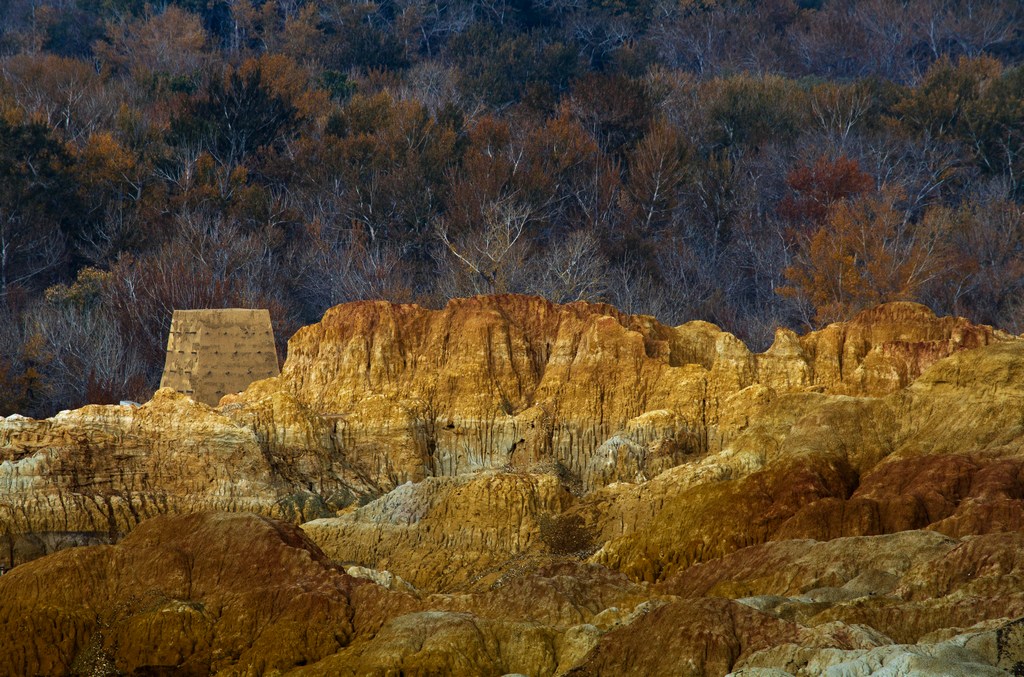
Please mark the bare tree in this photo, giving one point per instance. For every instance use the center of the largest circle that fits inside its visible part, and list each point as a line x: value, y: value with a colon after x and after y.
x: 339, y: 266
x: 88, y: 354
x: 838, y: 108
x: 26, y: 252
x: 571, y: 270
x: 170, y: 42
x: 492, y: 257
x: 67, y: 95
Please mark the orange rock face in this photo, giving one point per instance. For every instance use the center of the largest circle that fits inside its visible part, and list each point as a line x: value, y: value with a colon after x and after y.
x: 490, y: 382
x: 517, y: 486
x: 196, y: 593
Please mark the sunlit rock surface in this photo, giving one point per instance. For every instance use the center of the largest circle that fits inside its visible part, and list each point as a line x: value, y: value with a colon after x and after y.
x: 515, y: 486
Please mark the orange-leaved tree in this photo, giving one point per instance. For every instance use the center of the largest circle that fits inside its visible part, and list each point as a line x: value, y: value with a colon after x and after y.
x: 868, y: 251
x: 815, y: 188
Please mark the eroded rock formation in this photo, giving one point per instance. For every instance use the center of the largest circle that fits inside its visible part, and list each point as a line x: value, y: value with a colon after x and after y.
x: 517, y: 486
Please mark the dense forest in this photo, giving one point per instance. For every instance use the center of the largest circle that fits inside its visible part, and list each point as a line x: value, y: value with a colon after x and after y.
x: 750, y: 163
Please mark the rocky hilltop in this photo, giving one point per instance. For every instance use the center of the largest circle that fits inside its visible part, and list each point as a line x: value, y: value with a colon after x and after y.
x: 510, y: 485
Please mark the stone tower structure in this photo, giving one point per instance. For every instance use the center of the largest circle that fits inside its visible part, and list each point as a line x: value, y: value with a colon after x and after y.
x: 211, y: 353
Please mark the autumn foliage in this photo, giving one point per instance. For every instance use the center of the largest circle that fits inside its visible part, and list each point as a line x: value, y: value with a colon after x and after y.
x: 866, y: 251
x: 751, y: 164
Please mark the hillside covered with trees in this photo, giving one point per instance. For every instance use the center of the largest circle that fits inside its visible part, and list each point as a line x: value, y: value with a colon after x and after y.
x: 754, y: 164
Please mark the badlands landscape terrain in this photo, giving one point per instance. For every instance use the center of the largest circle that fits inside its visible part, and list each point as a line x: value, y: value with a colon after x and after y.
x: 513, y: 486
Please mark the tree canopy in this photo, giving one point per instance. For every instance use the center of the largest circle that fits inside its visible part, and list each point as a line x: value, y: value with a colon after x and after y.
x: 753, y: 164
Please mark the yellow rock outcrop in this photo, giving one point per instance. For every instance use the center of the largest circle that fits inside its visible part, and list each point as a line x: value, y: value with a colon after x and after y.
x: 526, y: 487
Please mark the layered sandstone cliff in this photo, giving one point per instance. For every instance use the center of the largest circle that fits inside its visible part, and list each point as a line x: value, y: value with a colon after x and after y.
x: 491, y: 382
x: 378, y: 394
x: 228, y: 594
x: 518, y: 486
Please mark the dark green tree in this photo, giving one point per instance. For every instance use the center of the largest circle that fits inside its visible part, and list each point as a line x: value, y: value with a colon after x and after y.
x: 37, y: 204
x: 235, y: 117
